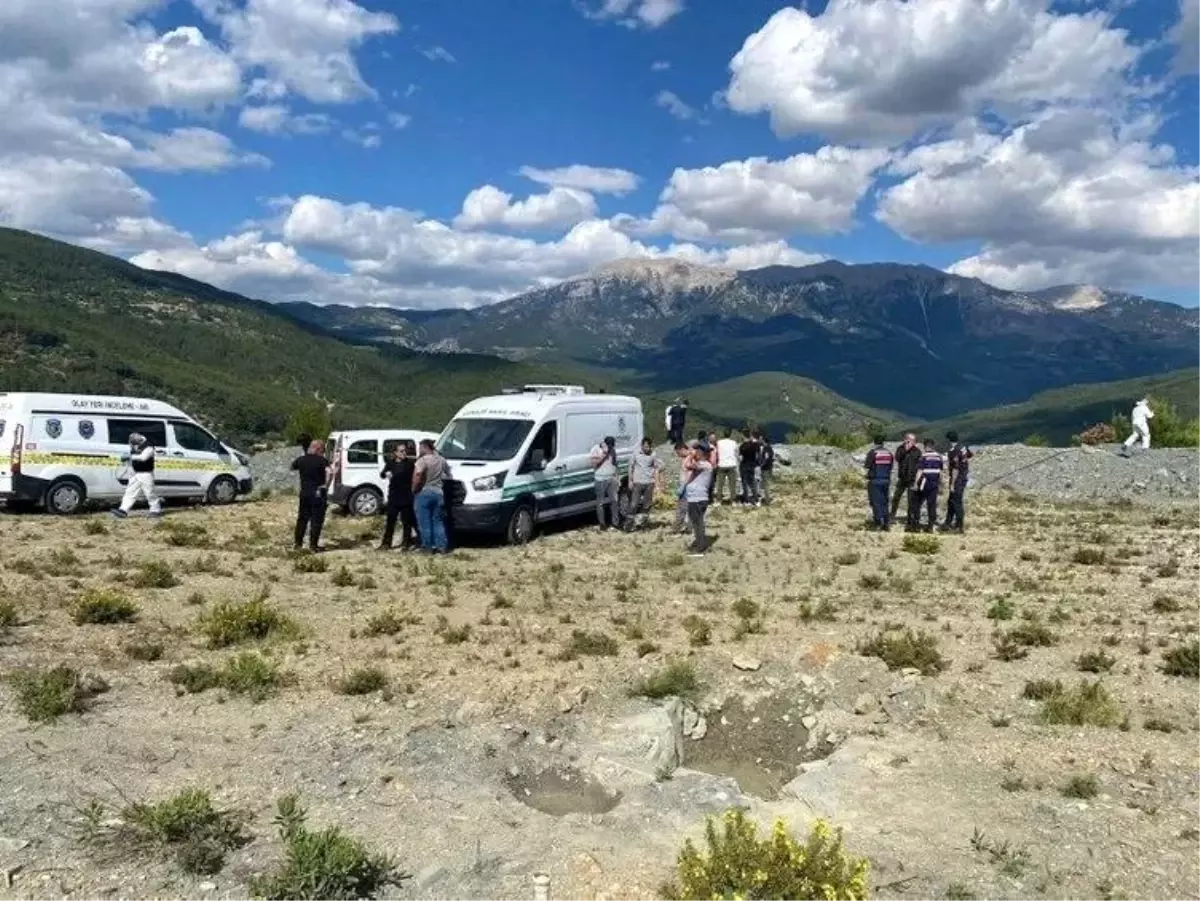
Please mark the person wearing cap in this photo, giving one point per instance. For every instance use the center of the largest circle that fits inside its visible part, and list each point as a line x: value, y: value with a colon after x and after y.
x: 929, y: 481
x: 698, y: 475
x: 141, y: 477
x: 959, y: 465
x: 606, y: 476
x: 879, y: 464
x: 1140, y: 420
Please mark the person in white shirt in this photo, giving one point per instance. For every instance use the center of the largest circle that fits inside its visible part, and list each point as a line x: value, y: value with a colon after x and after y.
x: 727, y: 468
x: 141, y: 477
x: 1140, y: 417
x: 607, y: 476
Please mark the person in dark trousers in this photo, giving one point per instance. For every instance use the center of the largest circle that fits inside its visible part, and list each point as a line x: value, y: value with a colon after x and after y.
x: 748, y: 452
x: 879, y: 465
x: 677, y: 420
x: 399, y: 473
x: 766, y: 464
x: 314, y: 472
x: 697, y: 474
x: 959, y: 464
x: 908, y: 461
x: 929, y: 480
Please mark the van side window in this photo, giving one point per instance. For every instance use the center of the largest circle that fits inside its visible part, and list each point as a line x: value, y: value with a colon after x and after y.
x: 362, y: 452
x: 390, y: 445
x: 545, y: 441
x: 155, y: 431
x: 193, y: 438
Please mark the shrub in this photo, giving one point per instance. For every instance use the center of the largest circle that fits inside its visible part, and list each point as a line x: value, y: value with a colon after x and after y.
x: 699, y: 630
x: 905, y: 649
x: 1033, y: 634
x: 144, y: 650
x: 982, y: 557
x: 1100, y: 433
x: 1084, y: 787
x: 1035, y: 440
x: 1183, y: 660
x: 921, y: 544
x: 310, y: 418
x: 847, y: 558
x: 745, y: 608
x: 736, y: 863
x: 1095, y: 662
x: 1164, y: 603
x: 1089, y: 556
x: 343, y: 578
x: 247, y: 674
x: 678, y: 678
x: 307, y: 562
x: 103, y: 606
x: 1040, y: 689
x: 180, y: 534
x: 95, y: 527
x: 362, y: 681
x: 187, y: 823
x: 9, y: 615
x: 389, y: 622
x: 871, y: 581
x: 589, y: 644
x: 325, y: 864
x: 1087, y: 704
x: 229, y: 623
x: 154, y: 574
x: 45, y: 695
x: 1002, y: 608
x: 823, y: 437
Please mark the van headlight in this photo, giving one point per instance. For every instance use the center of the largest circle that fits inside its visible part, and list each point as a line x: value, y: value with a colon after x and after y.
x: 489, y: 483
x: 241, y: 458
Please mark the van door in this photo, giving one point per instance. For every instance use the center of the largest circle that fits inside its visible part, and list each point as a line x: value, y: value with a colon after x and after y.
x: 541, y: 472
x: 194, y: 459
x: 155, y: 431
x: 362, y: 463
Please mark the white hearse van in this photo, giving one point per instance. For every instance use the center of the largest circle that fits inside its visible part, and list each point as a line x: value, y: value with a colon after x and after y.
x: 522, y: 457
x: 62, y: 450
x: 358, y: 458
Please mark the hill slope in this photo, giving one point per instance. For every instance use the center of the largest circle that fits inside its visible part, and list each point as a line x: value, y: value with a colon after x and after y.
x: 76, y: 320
x: 910, y: 338
x: 1057, y: 415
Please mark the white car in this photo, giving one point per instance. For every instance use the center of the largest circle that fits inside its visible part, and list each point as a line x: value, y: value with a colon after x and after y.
x: 358, y: 458
x: 64, y: 450
x: 522, y: 458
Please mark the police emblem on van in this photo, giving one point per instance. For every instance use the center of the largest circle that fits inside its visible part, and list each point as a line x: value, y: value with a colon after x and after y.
x: 54, y: 427
x: 86, y: 429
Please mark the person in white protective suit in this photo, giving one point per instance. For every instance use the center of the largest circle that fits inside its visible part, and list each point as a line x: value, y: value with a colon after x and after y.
x: 1140, y: 417
x: 141, y: 477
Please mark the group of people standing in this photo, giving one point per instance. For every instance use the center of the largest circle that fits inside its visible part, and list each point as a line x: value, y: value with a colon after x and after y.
x: 416, y: 478
x: 919, y: 473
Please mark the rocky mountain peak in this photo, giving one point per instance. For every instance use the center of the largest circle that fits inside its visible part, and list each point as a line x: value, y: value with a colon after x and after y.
x: 666, y: 273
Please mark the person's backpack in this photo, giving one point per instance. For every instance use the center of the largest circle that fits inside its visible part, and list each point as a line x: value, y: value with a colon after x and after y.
x: 766, y: 456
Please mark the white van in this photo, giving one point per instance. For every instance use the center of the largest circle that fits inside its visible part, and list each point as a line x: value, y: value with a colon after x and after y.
x: 358, y: 458
x: 65, y: 450
x: 522, y: 457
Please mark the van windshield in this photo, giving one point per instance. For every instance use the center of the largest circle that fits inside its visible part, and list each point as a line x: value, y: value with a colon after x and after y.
x: 484, y: 439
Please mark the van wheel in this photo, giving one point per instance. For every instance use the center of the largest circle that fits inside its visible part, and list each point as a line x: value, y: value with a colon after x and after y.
x: 521, y: 524
x: 223, y: 490
x: 65, y: 496
x: 365, y: 502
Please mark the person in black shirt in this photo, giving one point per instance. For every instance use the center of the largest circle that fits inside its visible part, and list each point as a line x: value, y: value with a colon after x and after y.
x: 314, y: 472
x: 399, y: 473
x: 748, y: 452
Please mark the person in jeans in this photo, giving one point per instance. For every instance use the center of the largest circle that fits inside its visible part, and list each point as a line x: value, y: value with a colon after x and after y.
x: 429, y: 474
x: 399, y: 474
x: 607, y: 479
x: 682, y: 451
x: 315, y: 472
x: 645, y: 474
x: 727, y: 468
x: 748, y: 468
x: 698, y: 475
x: 766, y: 465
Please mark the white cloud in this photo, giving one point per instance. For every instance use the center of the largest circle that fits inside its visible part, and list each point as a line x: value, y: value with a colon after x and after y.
x: 595, y: 179
x: 557, y: 208
x: 1066, y: 195
x: 192, y: 149
x: 306, y: 45
x: 399, y: 121
x: 758, y: 199
x: 671, y: 102
x: 1185, y: 35
x: 884, y: 70
x: 633, y: 13
x: 438, y: 54
x: 276, y: 118
x: 660, y: 65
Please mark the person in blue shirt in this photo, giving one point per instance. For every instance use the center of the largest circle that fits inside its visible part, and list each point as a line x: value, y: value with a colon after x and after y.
x: 879, y: 465
x: 929, y: 480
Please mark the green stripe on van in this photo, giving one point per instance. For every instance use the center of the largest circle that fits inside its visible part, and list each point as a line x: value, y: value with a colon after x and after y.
x: 554, y: 484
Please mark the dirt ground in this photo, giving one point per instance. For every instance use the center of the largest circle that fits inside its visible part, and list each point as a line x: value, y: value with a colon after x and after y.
x: 951, y: 783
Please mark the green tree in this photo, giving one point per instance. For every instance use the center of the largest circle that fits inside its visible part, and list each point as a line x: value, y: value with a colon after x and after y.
x: 311, y: 418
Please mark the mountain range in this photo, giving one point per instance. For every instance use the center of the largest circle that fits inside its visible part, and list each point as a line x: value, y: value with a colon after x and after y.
x: 895, y: 337
x: 831, y: 345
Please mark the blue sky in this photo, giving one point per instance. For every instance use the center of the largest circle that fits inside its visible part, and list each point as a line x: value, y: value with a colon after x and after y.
x: 374, y: 152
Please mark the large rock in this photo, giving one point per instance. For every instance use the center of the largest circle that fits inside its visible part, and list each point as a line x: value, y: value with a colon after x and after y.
x: 645, y: 746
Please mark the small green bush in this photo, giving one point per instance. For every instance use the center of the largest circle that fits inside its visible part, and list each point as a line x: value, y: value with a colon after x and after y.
x: 847, y: 558
x: 905, y: 649
x: 103, y: 606
x: 1164, y: 603
x: 744, y: 608
x: 322, y: 865
x: 362, y: 681
x: 698, y: 629
x: 154, y: 574
x: 1040, y: 689
x: 736, y: 863
x: 871, y: 581
x: 45, y: 695
x: 310, y: 563
x: 145, y: 650
x: 921, y: 544
x: 678, y: 678
x: 343, y: 578
x: 1087, y: 704
x: 388, y: 622
x: 1083, y: 787
x: 9, y: 615
x: 1089, y: 556
x: 189, y: 825
x: 1183, y: 660
x: 247, y: 674
x: 1095, y: 662
x: 1033, y: 634
x: 589, y: 644
x: 1035, y: 440
x: 181, y: 534
x: 1002, y: 608
x: 228, y: 623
